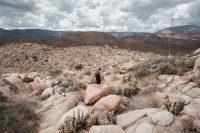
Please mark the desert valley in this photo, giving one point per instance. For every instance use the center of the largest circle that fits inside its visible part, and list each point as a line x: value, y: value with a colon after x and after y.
x: 48, y: 85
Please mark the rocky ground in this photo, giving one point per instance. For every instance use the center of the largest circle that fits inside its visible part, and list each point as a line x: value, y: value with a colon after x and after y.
x: 139, y: 94
x: 27, y: 57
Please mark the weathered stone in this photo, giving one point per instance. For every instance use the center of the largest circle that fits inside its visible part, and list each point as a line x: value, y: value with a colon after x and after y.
x: 49, y: 130
x: 106, y: 129
x: 94, y: 92
x: 38, y: 86
x: 14, y: 82
x: 188, y: 87
x: 197, y: 63
x: 194, y: 92
x: 108, y: 103
x: 145, y: 128
x: 163, y: 118
x: 47, y: 91
x: 127, y: 119
x: 192, y: 110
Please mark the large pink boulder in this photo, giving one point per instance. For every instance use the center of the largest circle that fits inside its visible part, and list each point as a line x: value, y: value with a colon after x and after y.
x: 95, y: 92
x: 108, y: 103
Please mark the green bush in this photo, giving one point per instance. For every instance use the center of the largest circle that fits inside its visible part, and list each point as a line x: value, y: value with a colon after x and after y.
x: 184, y: 65
x: 141, y: 73
x: 71, y: 86
x: 165, y: 68
x: 66, y: 83
x: 17, y: 118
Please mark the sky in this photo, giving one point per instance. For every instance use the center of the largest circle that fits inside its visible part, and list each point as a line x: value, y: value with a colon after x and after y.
x: 98, y: 15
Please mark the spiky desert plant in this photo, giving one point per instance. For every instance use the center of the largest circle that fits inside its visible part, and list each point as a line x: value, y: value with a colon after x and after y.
x: 174, y: 107
x: 129, y: 91
x: 73, y: 124
x: 103, y: 118
x: 141, y: 73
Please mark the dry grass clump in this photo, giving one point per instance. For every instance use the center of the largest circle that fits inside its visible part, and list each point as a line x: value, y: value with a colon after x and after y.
x: 141, y: 73
x: 175, y: 66
x: 17, y: 118
x: 128, y: 90
x: 164, y: 65
x: 71, y: 86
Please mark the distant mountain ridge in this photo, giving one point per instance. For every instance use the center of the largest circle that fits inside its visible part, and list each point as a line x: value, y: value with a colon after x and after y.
x: 185, y: 39
x: 181, y: 32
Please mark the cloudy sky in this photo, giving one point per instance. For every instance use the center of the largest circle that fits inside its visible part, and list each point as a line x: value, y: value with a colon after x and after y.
x: 98, y: 15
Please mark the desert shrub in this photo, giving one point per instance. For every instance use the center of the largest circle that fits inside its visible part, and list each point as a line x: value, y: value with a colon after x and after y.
x: 55, y: 72
x: 17, y: 118
x: 127, y: 91
x: 62, y: 89
x: 81, y: 85
x: 141, y: 73
x: 165, y: 65
x: 127, y: 78
x: 184, y: 65
x: 165, y: 68
x: 79, y: 66
x: 66, y: 83
x: 71, y: 86
x: 116, y: 90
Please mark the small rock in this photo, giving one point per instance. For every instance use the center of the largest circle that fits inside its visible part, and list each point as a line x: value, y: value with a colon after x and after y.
x: 46, y: 92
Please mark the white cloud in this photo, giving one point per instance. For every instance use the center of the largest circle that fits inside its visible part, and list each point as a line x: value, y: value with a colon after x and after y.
x: 101, y: 15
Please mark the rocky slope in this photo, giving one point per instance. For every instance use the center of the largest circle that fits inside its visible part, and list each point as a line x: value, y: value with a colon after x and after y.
x: 42, y: 58
x: 139, y: 94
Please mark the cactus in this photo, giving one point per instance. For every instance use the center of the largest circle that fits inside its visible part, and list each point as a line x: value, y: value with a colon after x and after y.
x: 101, y: 119
x: 73, y: 124
x: 174, y: 107
x: 129, y: 91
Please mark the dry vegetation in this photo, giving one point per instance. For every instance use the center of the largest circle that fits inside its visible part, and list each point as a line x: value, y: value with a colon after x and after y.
x: 17, y: 118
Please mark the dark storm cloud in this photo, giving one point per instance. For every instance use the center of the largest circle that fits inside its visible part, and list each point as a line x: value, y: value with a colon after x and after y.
x: 102, y: 15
